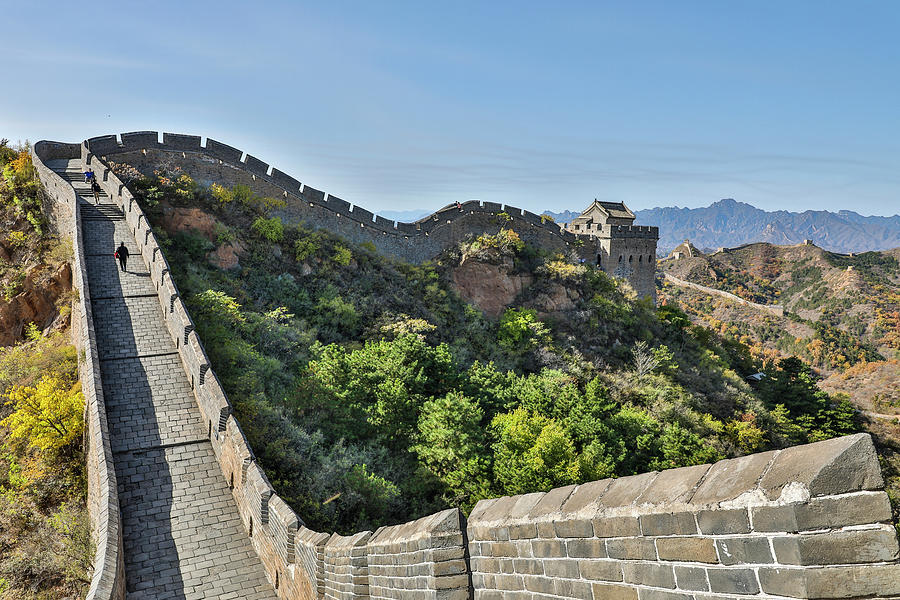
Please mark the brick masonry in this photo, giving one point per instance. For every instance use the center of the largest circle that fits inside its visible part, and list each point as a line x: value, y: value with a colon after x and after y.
x: 628, y: 252
x: 806, y: 522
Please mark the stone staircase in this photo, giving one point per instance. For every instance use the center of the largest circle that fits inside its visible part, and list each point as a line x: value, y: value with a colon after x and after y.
x: 182, y: 534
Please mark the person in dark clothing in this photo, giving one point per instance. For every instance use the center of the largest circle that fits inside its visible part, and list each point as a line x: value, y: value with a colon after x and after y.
x: 122, y: 255
x: 95, y: 187
x: 89, y: 176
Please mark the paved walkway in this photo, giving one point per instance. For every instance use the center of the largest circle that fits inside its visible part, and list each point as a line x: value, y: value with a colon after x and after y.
x: 183, y: 536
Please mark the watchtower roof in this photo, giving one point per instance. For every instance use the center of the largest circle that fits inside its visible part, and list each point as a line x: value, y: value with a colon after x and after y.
x: 600, y: 210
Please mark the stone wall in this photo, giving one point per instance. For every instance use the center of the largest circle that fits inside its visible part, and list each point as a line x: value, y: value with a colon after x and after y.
x: 412, y: 242
x: 774, y: 309
x: 806, y: 522
x: 108, y: 579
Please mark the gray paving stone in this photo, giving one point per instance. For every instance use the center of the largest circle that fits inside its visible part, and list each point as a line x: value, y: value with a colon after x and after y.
x: 183, y: 537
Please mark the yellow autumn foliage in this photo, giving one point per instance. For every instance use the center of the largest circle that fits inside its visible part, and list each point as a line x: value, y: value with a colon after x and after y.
x: 48, y: 416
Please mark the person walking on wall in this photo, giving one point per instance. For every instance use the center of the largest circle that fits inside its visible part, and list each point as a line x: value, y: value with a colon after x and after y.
x: 95, y: 187
x: 122, y: 255
x: 89, y: 176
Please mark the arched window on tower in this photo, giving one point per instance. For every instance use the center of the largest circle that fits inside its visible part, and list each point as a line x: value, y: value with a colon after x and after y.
x: 630, y: 258
x: 620, y: 259
x: 641, y: 258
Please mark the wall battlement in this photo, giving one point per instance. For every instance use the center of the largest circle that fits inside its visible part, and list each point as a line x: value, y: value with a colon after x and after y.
x: 413, y: 242
x: 810, y: 521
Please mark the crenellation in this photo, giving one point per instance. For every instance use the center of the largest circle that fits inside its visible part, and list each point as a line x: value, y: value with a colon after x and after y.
x: 182, y: 142
x: 256, y: 166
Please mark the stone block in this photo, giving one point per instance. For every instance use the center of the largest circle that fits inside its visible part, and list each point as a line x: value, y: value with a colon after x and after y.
x: 567, y: 588
x: 744, y: 550
x: 681, y: 523
x: 691, y: 579
x: 551, y: 502
x: 602, y: 570
x: 561, y: 567
x: 624, y: 491
x: 523, y: 531
x: 573, y: 528
x: 688, y: 549
x: 649, y: 594
x: 835, y: 466
x: 588, y: 548
x: 548, y: 548
x: 139, y: 140
x: 652, y: 574
x: 673, y: 486
x: 611, y: 591
x: 585, y: 496
x: 838, y: 547
x: 528, y: 566
x: 733, y: 581
x: 631, y: 548
x: 728, y: 479
x: 821, y: 513
x: 621, y: 526
x: 723, y: 521
x: 832, y: 582
x: 286, y: 181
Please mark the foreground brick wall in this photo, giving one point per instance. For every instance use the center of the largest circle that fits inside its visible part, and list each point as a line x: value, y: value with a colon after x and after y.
x: 806, y: 522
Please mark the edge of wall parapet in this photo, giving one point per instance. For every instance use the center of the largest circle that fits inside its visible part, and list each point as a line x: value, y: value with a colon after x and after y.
x: 108, y: 578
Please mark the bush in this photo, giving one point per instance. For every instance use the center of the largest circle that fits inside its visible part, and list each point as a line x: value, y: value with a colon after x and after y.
x: 270, y: 229
x: 47, y: 416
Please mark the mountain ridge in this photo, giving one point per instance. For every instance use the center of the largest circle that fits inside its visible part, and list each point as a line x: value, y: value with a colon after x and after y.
x: 729, y: 223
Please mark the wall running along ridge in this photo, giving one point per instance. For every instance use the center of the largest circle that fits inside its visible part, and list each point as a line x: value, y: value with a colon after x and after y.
x: 108, y: 580
x: 810, y: 521
x: 412, y: 242
x: 774, y: 309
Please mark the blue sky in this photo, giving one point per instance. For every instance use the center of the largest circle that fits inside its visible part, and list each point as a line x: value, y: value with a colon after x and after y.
x: 412, y: 105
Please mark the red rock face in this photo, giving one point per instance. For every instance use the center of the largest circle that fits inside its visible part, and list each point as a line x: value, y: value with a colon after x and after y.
x: 490, y: 287
x: 177, y: 219
x: 36, y: 303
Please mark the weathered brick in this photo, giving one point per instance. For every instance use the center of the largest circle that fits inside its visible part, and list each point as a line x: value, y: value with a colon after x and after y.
x: 656, y: 575
x: 650, y: 594
x: 821, y: 513
x: 561, y: 567
x: 681, y: 523
x: 548, y: 548
x: 688, y: 549
x: 528, y: 566
x: 631, y: 548
x: 542, y: 585
x: 622, y: 526
x: 691, y: 578
x: 733, y: 581
x: 574, y: 528
x: 744, y: 550
x: 523, y: 530
x: 729, y: 478
x: 603, y: 570
x: 831, y: 582
x: 838, y: 547
x: 724, y: 521
x: 609, y: 591
x: 590, y: 548
x: 568, y: 588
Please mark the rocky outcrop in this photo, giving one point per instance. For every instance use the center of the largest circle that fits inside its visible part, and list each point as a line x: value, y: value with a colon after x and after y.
x: 36, y: 303
x: 489, y: 285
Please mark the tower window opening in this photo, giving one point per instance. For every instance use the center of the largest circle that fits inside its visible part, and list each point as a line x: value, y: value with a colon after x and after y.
x: 630, y: 258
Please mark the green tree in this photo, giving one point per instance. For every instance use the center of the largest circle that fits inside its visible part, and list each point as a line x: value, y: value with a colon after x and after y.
x: 532, y: 453
x: 452, y: 445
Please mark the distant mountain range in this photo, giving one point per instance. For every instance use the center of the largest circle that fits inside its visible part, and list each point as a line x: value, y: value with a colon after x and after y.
x: 730, y: 223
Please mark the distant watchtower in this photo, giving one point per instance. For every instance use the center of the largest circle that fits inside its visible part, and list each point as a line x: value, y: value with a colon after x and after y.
x: 624, y: 250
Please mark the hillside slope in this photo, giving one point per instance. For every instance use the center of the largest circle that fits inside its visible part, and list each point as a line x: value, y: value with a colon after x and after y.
x: 375, y: 391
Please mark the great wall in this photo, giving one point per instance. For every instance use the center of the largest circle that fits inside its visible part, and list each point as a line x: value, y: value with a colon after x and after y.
x: 180, y: 509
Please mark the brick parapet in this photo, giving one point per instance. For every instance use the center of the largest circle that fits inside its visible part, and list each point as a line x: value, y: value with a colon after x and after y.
x: 424, y: 559
x: 738, y: 528
x: 108, y: 578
